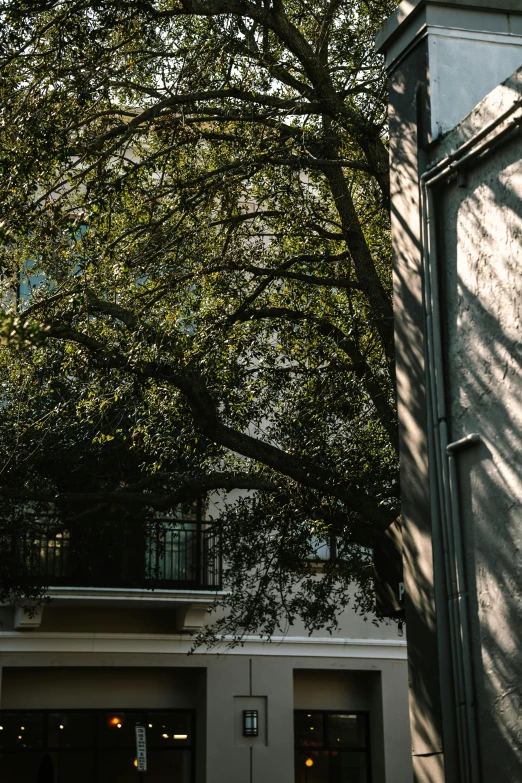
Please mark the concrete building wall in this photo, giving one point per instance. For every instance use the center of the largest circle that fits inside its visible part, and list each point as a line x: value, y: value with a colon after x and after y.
x: 468, y: 228
x: 409, y: 118
x: 38, y: 688
x: 43, y: 670
x: 480, y: 229
x: 466, y: 39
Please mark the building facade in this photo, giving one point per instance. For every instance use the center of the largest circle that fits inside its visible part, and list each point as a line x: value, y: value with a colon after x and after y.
x: 107, y: 653
x: 455, y: 114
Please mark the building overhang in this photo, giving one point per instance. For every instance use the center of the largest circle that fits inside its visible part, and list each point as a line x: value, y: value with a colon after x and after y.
x: 411, y: 17
x: 190, y: 606
x: 18, y: 648
x: 472, y: 46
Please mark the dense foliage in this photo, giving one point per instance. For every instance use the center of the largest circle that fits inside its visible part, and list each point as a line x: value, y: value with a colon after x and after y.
x: 197, y: 285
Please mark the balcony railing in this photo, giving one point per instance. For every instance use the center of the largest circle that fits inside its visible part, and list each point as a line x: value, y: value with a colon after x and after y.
x: 168, y: 555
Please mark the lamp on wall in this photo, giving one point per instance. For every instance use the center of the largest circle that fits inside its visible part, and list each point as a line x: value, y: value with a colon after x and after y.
x: 250, y: 723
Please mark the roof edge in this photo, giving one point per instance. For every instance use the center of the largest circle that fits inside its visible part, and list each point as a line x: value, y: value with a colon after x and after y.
x: 408, y: 10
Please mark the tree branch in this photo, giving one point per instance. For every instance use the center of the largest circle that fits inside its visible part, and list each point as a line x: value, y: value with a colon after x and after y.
x: 330, y: 282
x: 206, y: 418
x: 360, y: 366
x: 188, y: 489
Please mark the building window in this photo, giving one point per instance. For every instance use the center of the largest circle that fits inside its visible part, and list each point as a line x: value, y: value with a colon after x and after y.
x: 95, y: 746
x: 323, y: 549
x: 173, y: 545
x: 180, y: 550
x: 332, y: 747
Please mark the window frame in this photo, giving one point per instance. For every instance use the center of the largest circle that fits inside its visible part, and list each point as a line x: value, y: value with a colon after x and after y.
x: 95, y: 747
x: 327, y: 747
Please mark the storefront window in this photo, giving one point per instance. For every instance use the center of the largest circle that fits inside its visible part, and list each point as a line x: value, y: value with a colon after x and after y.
x: 95, y: 746
x: 116, y: 729
x: 21, y: 731
x: 70, y: 729
x: 331, y: 747
x: 71, y: 766
x: 170, y: 729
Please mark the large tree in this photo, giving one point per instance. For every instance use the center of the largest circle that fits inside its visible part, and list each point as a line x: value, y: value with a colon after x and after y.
x: 196, y: 274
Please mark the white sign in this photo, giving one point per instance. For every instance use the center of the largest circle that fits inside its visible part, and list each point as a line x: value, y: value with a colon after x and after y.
x: 141, y: 748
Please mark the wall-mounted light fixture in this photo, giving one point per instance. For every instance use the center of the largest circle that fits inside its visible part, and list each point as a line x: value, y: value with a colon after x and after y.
x: 250, y: 723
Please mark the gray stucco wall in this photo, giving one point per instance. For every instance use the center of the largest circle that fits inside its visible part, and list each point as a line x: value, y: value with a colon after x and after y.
x: 480, y: 239
x: 409, y: 131
x: 479, y: 236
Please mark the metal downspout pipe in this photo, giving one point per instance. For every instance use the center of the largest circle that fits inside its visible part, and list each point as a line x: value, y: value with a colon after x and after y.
x: 441, y: 503
x: 449, y: 564
x: 461, y: 598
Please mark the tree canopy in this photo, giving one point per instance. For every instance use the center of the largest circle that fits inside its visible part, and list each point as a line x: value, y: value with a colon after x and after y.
x: 196, y: 277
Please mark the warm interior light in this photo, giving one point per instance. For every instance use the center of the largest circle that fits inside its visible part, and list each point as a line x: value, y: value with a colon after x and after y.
x: 309, y: 716
x: 115, y: 722
x: 310, y: 763
x: 166, y: 736
x: 19, y: 736
x: 135, y: 762
x: 22, y: 728
x: 311, y: 728
x: 180, y: 736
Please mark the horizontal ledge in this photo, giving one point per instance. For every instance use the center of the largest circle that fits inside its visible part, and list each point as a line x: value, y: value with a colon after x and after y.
x: 122, y: 594
x: 330, y: 640
x: 36, y: 642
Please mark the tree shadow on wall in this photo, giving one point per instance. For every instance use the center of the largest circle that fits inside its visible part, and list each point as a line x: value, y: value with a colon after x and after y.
x: 483, y: 295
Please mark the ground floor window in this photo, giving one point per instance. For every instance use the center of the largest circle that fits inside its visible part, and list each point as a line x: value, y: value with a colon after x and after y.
x: 95, y: 746
x: 332, y: 747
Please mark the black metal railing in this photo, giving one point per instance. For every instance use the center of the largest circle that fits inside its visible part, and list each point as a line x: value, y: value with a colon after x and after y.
x: 161, y: 554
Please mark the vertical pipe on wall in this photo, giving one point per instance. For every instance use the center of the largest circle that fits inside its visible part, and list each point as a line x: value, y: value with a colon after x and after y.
x: 448, y: 623
x: 462, y: 592
x: 445, y: 500
x: 445, y: 505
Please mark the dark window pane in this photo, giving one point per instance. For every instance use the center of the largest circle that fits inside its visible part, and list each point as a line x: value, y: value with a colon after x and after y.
x: 169, y: 729
x: 74, y: 760
x: 21, y: 730
x: 116, y: 767
x: 18, y: 767
x: 172, y: 552
x: 346, y: 731
x: 71, y: 729
x: 73, y: 766
x: 330, y: 767
x: 185, y: 511
x: 348, y: 767
x: 118, y: 729
x: 168, y: 766
x: 309, y: 730
x: 162, y: 767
